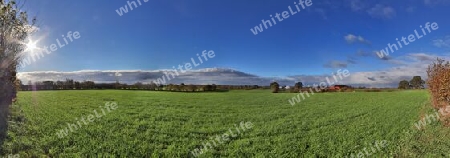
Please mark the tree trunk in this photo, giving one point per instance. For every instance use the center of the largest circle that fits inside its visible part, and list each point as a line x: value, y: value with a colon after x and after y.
x: 6, y: 94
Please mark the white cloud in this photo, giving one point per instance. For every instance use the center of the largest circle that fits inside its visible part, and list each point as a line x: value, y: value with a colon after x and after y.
x: 422, y: 57
x: 436, y: 2
x: 322, y: 13
x: 381, y: 11
x: 442, y: 42
x: 413, y: 64
x: 410, y: 9
x: 350, y: 38
x: 336, y: 64
x: 357, y: 5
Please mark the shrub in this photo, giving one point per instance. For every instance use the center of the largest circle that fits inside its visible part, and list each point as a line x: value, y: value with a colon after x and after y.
x: 349, y: 90
x: 372, y: 90
x: 275, y: 87
x: 439, y: 83
x: 332, y: 90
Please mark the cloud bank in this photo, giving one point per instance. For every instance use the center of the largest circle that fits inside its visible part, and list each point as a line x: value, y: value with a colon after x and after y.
x: 403, y: 68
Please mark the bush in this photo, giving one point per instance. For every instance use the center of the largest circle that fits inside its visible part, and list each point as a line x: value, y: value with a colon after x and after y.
x: 372, y: 90
x: 332, y: 90
x: 349, y: 90
x: 275, y: 87
x: 439, y: 83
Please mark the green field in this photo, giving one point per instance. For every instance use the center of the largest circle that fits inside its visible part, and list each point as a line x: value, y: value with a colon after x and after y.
x: 164, y: 124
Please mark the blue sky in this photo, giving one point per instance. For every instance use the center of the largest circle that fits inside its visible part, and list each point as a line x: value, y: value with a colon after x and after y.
x: 162, y: 34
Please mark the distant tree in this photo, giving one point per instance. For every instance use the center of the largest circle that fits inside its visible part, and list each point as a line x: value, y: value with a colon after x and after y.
x: 191, y: 88
x: 169, y: 87
x: 213, y: 87
x: 176, y: 88
x: 298, y: 85
x: 403, y: 84
x: 59, y: 85
x: 417, y: 82
x: 117, y: 85
x: 194, y: 88
x: 207, y: 88
x: 49, y: 85
x: 138, y: 85
x: 38, y: 85
x: 88, y: 84
x: 153, y: 86
x: 69, y: 84
x: 182, y: 87
x: 275, y: 87
x: 77, y: 85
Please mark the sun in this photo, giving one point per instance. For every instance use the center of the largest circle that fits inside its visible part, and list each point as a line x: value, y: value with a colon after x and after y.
x: 31, y: 46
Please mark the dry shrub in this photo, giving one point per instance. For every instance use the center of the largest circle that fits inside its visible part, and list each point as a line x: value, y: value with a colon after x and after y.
x: 372, y: 90
x: 350, y: 90
x: 439, y: 84
x: 332, y: 90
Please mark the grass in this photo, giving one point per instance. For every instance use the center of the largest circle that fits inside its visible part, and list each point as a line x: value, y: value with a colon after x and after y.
x: 158, y: 124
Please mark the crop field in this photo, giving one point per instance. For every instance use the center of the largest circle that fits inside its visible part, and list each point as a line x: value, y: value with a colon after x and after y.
x: 164, y: 124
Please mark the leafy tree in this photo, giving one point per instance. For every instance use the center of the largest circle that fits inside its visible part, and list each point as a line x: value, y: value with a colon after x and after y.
x: 403, y: 85
x: 182, y: 87
x: 49, y: 85
x: 191, y: 88
x: 153, y: 86
x: 77, y: 85
x: 14, y: 30
x: 169, y: 87
x: 138, y: 85
x: 275, y: 87
x: 59, y: 85
x: 417, y: 82
x: 69, y: 84
x: 213, y: 87
x: 88, y: 84
x: 298, y: 85
x: 176, y: 88
x: 207, y: 88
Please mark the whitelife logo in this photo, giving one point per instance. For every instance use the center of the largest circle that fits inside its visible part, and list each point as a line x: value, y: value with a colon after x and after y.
x: 205, y: 54
x: 411, y: 38
x: 53, y: 47
x: 123, y: 10
x: 284, y: 15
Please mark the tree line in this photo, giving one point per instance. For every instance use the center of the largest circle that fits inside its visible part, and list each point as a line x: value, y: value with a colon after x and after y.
x: 70, y: 84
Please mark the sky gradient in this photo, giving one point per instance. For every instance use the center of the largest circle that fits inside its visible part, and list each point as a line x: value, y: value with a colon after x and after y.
x: 319, y: 40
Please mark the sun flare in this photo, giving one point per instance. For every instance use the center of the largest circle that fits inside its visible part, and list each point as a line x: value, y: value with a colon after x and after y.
x: 31, y: 45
